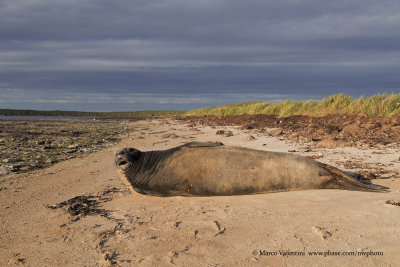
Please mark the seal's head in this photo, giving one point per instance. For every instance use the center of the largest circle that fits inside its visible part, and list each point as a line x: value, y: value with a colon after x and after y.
x: 126, y: 157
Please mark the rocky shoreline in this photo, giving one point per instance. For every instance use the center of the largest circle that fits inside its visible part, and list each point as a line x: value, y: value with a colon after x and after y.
x: 30, y: 145
x: 331, y: 131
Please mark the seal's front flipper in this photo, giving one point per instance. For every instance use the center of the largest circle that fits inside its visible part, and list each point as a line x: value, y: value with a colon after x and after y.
x: 202, y: 144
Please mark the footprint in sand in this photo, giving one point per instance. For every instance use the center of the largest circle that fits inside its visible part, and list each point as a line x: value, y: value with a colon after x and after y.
x: 322, y: 232
x: 209, y: 229
x: 221, y: 230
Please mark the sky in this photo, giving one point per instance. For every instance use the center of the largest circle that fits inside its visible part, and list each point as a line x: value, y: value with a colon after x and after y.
x: 112, y: 55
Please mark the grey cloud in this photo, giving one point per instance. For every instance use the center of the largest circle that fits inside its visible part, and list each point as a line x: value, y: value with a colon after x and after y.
x: 305, y: 48
x: 204, y: 21
x: 273, y: 79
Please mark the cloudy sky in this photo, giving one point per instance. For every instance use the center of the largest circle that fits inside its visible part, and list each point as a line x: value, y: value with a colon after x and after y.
x: 107, y: 55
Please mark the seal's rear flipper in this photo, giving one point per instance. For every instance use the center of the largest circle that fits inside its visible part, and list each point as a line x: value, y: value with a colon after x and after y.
x: 360, y: 186
x: 344, y: 181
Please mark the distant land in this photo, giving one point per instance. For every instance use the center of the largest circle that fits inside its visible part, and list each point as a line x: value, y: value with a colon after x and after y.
x: 118, y: 114
x: 375, y: 105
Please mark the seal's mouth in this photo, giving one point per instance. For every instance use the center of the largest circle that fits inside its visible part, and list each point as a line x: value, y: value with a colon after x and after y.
x: 122, y: 164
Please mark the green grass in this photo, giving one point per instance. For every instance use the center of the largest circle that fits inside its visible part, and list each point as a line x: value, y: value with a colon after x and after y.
x: 376, y: 105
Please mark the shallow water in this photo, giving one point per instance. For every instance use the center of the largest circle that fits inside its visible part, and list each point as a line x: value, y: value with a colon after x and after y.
x: 39, y: 118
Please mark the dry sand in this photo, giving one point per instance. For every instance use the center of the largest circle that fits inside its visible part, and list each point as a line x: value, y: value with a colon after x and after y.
x: 129, y: 229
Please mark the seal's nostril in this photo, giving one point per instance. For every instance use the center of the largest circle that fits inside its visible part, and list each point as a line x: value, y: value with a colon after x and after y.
x: 121, y: 152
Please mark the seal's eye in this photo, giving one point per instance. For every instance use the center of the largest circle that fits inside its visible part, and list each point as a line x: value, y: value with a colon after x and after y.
x: 131, y: 150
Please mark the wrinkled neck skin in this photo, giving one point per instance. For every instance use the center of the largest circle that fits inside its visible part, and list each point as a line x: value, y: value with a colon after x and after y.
x: 140, y: 172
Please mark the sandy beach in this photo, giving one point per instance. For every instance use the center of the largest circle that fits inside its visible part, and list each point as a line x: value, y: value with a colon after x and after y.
x: 79, y: 212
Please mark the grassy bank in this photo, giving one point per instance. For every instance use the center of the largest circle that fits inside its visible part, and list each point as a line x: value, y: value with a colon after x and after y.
x: 376, y: 105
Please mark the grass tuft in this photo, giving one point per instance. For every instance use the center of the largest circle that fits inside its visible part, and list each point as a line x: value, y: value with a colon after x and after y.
x: 376, y: 105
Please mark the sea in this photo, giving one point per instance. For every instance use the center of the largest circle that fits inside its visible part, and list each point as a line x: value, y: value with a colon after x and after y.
x: 43, y: 118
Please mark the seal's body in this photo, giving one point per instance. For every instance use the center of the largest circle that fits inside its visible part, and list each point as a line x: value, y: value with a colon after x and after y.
x: 212, y: 169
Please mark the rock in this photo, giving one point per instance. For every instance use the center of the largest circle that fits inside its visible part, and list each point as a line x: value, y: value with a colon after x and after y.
x: 353, y: 131
x: 247, y: 127
x: 228, y: 133
x: 48, y: 142
x: 303, y: 139
x: 224, y: 133
x: 386, y: 175
x: 249, y: 138
x: 18, y: 261
x: 10, y: 160
x: 331, y: 143
x: 393, y: 202
x: 90, y: 150
x: 16, y: 167
x: 25, y: 168
x: 276, y: 132
x: 169, y: 135
x: 4, y: 170
x: 292, y: 150
x: 369, y: 126
x: 367, y: 175
x: 40, y: 142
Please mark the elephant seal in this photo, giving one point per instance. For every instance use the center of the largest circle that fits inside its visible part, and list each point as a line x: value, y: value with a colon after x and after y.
x: 212, y: 169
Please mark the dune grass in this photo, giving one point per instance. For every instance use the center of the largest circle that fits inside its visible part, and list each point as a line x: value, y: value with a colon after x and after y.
x: 376, y: 105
